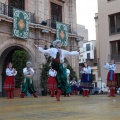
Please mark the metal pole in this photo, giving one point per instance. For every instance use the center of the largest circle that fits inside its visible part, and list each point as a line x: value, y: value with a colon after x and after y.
x: 101, y: 86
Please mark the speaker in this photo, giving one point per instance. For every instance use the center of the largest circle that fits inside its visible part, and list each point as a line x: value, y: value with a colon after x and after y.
x: 44, y: 23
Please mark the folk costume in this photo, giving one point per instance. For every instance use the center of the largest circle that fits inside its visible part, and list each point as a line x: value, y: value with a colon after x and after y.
x: 111, y: 78
x: 58, y: 55
x: 9, y: 84
x: 27, y: 83
x: 73, y: 84
x: 86, y: 81
x: 52, y: 83
x: 79, y: 90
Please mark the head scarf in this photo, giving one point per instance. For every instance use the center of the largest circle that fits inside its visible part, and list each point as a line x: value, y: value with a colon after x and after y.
x: 29, y: 63
x: 56, y: 42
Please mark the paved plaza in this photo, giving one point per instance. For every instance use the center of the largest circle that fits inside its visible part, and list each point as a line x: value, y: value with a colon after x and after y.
x: 96, y: 107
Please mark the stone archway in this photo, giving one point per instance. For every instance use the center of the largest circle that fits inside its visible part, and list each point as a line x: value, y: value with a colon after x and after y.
x: 6, y: 56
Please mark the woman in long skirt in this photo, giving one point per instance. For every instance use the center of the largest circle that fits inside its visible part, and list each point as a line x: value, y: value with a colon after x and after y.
x: 52, y: 83
x: 58, y: 55
x: 111, y: 77
x: 9, y: 84
x: 86, y: 81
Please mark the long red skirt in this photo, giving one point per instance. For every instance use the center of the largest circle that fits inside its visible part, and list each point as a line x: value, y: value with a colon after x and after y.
x: 9, y: 83
x: 52, y: 83
x: 112, y: 83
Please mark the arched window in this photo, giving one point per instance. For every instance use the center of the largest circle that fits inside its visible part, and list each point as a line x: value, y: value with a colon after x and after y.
x: 20, y: 4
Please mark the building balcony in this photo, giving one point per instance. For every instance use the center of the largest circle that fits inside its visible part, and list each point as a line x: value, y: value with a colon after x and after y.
x: 115, y: 30
x: 116, y: 57
x: 52, y: 24
x: 7, y: 10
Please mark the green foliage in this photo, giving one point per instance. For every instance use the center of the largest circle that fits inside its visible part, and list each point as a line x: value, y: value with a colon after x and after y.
x: 72, y: 72
x: 19, y: 59
x: 44, y: 76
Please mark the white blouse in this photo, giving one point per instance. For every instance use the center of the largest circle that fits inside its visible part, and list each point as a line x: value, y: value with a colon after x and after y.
x: 78, y: 83
x: 52, y: 73
x: 53, y: 51
x: 11, y: 72
x: 28, y: 72
x: 86, y: 70
x: 73, y: 82
x: 68, y: 72
x: 108, y: 66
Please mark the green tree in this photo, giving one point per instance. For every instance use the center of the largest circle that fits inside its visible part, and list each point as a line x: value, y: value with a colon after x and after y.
x: 19, y: 59
x: 72, y: 72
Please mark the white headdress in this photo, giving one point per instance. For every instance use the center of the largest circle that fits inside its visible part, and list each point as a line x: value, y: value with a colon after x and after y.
x: 29, y: 63
x: 56, y: 42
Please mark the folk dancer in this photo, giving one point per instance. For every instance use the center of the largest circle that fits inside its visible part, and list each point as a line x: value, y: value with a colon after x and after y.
x: 111, y: 77
x: 27, y: 84
x: 58, y: 55
x: 52, y: 83
x: 86, y: 81
x: 9, y: 84
x: 78, y: 86
x: 73, y: 84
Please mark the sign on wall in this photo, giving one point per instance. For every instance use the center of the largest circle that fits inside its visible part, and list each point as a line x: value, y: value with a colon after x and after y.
x: 62, y: 33
x: 20, y: 23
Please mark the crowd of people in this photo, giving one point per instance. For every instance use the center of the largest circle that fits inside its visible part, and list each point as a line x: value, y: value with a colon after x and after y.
x: 59, y: 76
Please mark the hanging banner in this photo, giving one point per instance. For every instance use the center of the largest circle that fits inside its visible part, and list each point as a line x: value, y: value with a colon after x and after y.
x: 62, y: 33
x: 20, y: 23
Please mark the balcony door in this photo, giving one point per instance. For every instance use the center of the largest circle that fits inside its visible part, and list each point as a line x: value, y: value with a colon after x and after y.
x: 56, y: 14
x: 20, y: 4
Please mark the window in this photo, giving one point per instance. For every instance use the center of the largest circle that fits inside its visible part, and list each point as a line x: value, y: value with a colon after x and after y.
x: 114, y: 23
x: 115, y: 47
x: 88, y: 55
x: 95, y: 64
x: 87, y: 47
x: 56, y: 14
x: 20, y: 4
x: 115, y: 50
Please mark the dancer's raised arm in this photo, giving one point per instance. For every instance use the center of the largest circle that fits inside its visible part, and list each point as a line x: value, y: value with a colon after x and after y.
x: 48, y: 51
x: 67, y: 53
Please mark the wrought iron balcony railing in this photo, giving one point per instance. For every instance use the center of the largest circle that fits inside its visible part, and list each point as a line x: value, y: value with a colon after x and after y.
x: 8, y: 11
x: 52, y: 23
x: 116, y: 57
x: 114, y: 30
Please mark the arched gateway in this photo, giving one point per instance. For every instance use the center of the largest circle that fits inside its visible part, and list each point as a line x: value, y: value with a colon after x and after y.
x: 6, y: 56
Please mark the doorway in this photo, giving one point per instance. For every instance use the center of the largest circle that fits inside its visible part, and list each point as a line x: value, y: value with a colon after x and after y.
x: 5, y: 58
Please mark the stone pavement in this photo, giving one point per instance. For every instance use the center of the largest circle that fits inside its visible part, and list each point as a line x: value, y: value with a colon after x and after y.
x: 96, y: 107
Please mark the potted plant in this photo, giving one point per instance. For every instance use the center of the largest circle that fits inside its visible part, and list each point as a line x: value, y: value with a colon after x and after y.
x: 44, y: 78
